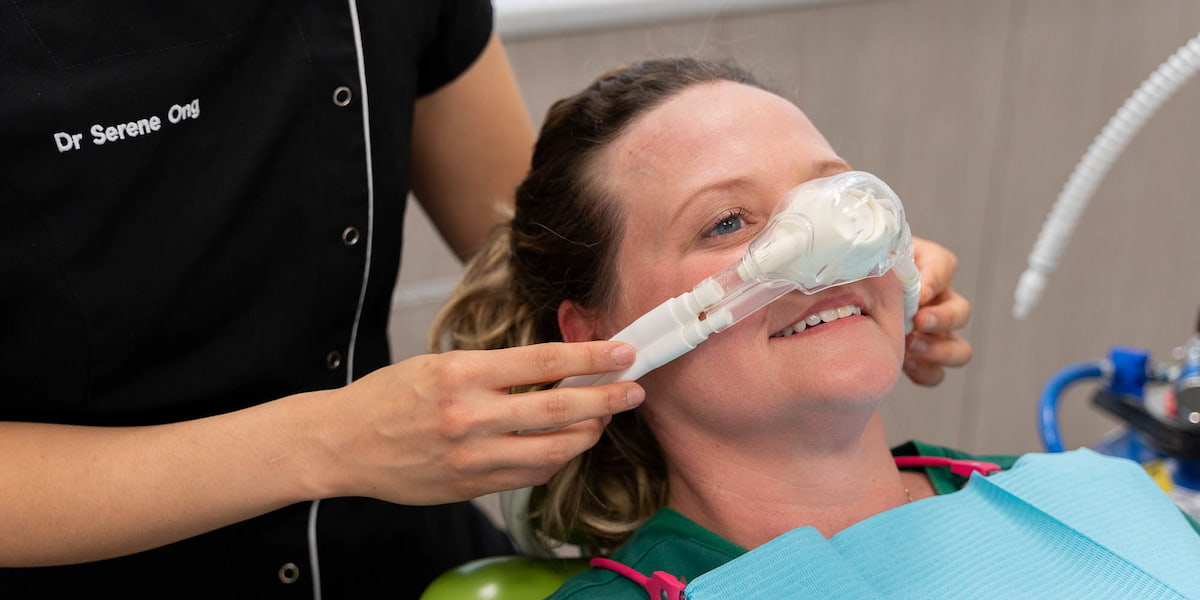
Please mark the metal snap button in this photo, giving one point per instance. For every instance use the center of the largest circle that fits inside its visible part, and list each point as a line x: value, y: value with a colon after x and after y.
x: 342, y: 95
x: 289, y: 573
x: 333, y: 360
x: 350, y: 236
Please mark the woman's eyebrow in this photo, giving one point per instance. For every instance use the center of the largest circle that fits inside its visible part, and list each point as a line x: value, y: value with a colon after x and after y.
x: 723, y: 185
x: 821, y: 168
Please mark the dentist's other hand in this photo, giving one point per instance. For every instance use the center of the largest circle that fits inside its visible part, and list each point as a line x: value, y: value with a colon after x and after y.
x: 934, y: 343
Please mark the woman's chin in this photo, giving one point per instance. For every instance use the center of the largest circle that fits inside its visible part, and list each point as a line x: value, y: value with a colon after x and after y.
x: 860, y: 383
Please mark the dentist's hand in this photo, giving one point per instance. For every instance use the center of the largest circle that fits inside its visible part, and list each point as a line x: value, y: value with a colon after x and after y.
x: 933, y: 343
x: 440, y: 428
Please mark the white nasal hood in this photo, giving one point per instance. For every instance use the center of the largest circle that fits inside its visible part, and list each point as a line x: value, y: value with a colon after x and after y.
x: 833, y: 231
x: 825, y: 232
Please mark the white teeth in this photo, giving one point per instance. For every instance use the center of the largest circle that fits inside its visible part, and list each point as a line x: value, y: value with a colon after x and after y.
x: 824, y: 316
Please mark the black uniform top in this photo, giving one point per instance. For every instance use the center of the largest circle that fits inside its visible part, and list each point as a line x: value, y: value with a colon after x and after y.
x: 201, y: 209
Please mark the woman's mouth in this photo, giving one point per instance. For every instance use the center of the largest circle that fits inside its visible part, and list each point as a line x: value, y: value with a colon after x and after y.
x: 818, y: 318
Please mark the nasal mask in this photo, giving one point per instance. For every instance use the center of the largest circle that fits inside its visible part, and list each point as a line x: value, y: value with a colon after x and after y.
x: 824, y: 233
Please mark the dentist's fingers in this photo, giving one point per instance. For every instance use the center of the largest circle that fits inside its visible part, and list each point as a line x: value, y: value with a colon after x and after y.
x: 519, y: 460
x: 545, y: 363
x: 948, y: 349
x: 937, y: 265
x: 922, y: 373
x: 945, y: 313
x: 927, y: 355
x: 559, y: 407
x: 543, y: 454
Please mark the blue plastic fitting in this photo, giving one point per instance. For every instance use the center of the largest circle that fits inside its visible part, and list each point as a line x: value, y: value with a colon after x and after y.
x: 1129, y: 371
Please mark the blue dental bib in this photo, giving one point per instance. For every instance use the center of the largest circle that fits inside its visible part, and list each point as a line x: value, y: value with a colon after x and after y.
x: 1055, y: 526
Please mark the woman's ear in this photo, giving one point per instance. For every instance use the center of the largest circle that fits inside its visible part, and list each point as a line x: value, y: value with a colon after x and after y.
x: 575, y: 324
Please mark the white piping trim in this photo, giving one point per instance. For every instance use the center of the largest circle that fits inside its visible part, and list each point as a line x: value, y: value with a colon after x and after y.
x: 362, y: 293
x: 314, y: 558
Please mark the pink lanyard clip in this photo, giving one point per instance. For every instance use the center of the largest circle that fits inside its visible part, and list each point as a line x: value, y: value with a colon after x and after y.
x: 957, y: 466
x: 660, y: 585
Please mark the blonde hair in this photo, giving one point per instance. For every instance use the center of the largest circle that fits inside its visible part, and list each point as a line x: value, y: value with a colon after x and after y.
x: 559, y: 245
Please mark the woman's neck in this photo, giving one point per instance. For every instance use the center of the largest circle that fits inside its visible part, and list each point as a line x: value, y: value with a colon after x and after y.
x: 752, y: 493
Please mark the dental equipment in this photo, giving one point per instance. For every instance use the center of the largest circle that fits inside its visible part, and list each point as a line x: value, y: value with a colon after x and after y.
x: 824, y: 233
x: 1161, y: 430
x: 1094, y: 165
x: 1157, y: 404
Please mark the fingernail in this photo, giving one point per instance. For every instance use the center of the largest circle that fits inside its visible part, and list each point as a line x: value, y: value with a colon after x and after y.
x: 623, y: 355
x: 910, y: 365
x: 928, y: 322
x: 918, y: 345
x: 634, y: 396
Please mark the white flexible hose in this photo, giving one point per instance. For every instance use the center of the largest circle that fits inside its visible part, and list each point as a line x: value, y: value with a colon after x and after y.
x: 1094, y: 165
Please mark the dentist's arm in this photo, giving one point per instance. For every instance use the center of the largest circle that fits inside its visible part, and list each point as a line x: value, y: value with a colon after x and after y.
x: 471, y: 146
x: 428, y: 430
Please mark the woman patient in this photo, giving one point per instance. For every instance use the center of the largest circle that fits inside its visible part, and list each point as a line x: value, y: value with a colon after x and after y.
x: 652, y: 179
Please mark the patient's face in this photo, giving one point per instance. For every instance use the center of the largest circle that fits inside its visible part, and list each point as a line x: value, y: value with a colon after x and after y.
x: 695, y: 179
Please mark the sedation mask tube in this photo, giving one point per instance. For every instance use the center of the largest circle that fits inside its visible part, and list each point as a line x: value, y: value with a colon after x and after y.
x: 824, y: 233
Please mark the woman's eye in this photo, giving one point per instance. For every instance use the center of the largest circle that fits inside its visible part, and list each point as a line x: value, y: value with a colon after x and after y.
x: 729, y: 223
